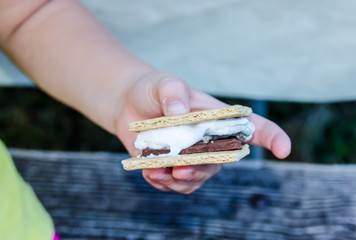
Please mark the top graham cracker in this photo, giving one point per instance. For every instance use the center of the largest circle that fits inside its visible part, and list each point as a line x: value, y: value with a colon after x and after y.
x: 189, y: 118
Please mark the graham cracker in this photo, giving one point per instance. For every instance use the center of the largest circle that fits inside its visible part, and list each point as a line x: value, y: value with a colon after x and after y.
x: 188, y: 159
x: 189, y: 118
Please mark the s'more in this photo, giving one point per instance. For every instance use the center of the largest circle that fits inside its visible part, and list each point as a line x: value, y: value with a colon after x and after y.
x: 206, y: 137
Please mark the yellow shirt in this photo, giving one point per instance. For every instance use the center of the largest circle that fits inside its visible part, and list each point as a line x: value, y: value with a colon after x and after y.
x: 22, y: 217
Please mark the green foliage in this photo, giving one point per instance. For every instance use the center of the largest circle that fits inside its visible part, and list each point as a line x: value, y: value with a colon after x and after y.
x: 338, y: 143
x: 320, y: 133
x: 30, y: 119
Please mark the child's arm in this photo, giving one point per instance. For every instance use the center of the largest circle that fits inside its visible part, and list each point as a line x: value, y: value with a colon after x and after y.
x: 71, y: 56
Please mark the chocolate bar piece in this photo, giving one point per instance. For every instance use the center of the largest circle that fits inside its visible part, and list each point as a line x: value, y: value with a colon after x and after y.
x: 200, y: 147
x: 148, y: 151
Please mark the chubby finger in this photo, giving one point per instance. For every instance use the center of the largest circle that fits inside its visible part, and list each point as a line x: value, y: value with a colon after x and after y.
x: 157, y: 185
x: 174, y: 95
x: 184, y: 186
x: 159, y: 175
x: 198, y: 173
x: 269, y: 135
x: 162, y: 179
x: 159, y: 94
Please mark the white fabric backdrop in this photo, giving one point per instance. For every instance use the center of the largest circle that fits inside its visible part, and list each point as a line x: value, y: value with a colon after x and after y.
x: 276, y: 50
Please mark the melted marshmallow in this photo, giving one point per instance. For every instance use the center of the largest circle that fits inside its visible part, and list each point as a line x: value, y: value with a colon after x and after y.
x: 180, y: 137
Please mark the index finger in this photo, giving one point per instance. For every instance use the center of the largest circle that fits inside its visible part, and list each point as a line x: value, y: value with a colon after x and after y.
x: 269, y: 135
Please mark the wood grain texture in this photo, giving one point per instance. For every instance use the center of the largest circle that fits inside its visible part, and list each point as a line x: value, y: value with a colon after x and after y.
x: 90, y: 196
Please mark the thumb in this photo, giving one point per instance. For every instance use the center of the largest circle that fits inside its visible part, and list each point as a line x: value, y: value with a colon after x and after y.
x: 174, y: 96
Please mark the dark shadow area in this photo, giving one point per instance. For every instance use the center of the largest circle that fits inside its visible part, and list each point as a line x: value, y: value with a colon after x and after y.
x: 30, y: 119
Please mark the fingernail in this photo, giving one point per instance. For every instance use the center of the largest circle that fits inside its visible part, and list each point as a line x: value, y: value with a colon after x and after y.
x: 163, y: 177
x: 189, y: 176
x: 160, y: 177
x: 176, y: 107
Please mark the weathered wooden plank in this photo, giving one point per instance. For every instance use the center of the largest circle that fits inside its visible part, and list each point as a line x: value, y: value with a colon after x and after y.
x: 90, y: 196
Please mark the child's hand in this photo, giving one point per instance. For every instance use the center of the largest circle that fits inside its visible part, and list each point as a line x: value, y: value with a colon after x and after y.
x: 161, y: 94
x: 70, y: 55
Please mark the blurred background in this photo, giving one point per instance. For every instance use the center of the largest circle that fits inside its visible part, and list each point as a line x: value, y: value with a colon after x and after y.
x: 29, y: 119
x: 296, y: 56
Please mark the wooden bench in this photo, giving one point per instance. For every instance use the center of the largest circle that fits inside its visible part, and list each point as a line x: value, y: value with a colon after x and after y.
x: 90, y: 196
